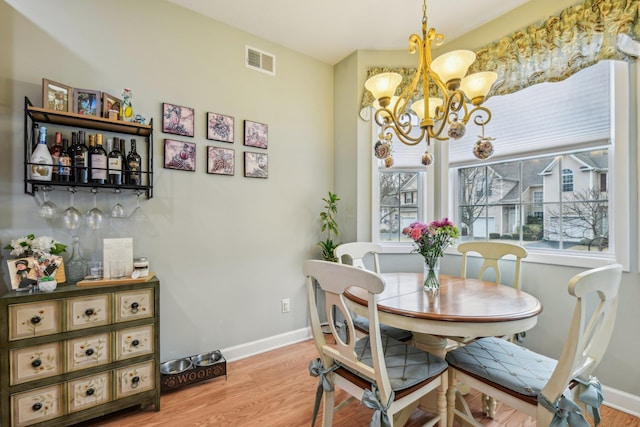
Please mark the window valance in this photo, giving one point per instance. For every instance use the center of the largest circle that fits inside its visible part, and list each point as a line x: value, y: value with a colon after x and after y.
x: 553, y: 50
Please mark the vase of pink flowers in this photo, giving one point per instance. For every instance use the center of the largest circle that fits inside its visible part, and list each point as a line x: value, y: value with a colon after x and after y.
x: 431, y: 240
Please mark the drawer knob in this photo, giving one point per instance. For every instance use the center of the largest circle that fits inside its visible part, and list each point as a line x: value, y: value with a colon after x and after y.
x: 135, y: 343
x: 134, y: 307
x: 135, y: 381
x: 89, y: 352
x: 36, y: 363
x: 90, y: 392
x: 35, y: 320
x: 36, y: 406
x: 89, y: 312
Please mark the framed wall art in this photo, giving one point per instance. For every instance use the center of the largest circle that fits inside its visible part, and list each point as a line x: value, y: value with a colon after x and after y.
x: 179, y: 155
x: 221, y: 161
x: 256, y: 165
x: 256, y: 134
x: 220, y: 127
x: 177, y: 120
x: 86, y: 102
x: 111, y: 103
x: 56, y: 96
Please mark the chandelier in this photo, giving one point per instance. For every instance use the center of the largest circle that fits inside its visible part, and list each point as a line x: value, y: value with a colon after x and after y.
x: 447, y: 110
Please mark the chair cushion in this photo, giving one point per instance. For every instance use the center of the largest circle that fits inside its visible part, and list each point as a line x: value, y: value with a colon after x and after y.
x: 406, y: 365
x: 504, y: 363
x: 362, y: 323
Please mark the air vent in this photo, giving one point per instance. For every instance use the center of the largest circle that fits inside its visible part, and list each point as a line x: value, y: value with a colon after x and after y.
x: 259, y: 60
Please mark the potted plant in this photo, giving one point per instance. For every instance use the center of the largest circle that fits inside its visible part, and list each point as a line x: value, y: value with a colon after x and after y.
x: 329, y: 224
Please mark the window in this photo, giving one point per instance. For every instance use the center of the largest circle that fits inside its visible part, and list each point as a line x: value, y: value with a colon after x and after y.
x: 550, y: 191
x: 538, y: 198
x: 398, y: 207
x: 603, y: 182
x: 567, y: 180
x: 566, y: 221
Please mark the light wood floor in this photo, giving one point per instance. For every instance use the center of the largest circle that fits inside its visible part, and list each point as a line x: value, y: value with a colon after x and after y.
x: 275, y: 389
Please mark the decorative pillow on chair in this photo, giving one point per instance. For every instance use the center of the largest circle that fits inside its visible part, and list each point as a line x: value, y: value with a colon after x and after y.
x: 504, y: 363
x: 406, y: 365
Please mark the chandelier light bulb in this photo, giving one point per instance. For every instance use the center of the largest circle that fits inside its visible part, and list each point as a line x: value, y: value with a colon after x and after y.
x: 476, y: 86
x: 383, y: 86
x: 452, y: 66
x: 418, y: 107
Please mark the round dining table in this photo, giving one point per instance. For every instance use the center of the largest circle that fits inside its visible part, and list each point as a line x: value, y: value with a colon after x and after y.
x: 461, y: 309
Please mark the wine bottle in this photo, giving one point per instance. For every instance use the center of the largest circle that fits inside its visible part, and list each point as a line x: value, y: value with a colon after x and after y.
x: 41, y: 161
x: 81, y: 159
x: 97, y: 160
x: 55, y: 151
x: 133, y: 166
x: 115, y: 162
x: 64, y: 162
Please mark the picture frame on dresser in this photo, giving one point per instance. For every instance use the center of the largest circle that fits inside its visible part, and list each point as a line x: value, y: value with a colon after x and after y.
x: 56, y: 96
x: 86, y: 102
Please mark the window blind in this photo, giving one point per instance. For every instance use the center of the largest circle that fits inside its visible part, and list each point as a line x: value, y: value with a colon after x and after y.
x: 546, y: 117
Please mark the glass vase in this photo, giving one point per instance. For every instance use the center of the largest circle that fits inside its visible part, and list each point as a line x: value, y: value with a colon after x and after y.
x: 432, y: 275
x: 76, y: 266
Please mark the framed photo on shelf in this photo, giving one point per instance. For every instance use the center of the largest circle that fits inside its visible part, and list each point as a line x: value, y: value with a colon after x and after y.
x: 56, y: 96
x: 24, y: 272
x: 177, y: 120
x: 180, y: 155
x: 256, y: 165
x: 256, y: 134
x: 86, y: 102
x: 221, y: 161
x: 220, y: 127
x: 111, y: 103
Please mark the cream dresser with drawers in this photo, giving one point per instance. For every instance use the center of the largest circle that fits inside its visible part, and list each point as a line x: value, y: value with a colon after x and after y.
x: 78, y: 353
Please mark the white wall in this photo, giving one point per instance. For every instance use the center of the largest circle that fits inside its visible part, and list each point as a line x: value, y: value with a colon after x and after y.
x: 226, y: 249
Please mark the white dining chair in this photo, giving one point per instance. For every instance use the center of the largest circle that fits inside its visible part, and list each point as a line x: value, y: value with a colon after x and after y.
x: 539, y: 386
x: 388, y: 376
x: 357, y: 251
x: 491, y: 253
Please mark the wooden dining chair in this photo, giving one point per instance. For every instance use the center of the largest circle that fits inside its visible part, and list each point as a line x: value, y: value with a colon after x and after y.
x: 492, y: 252
x: 357, y: 251
x: 386, y: 375
x: 541, y: 387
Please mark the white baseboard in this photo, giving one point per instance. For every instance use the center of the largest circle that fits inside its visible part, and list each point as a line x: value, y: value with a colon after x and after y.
x: 615, y: 399
x: 622, y: 401
x: 266, y: 344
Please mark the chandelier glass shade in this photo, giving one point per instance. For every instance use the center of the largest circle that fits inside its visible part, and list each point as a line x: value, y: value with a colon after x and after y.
x: 447, y: 110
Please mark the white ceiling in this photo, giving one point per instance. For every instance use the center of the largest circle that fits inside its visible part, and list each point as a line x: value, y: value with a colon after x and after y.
x: 329, y: 30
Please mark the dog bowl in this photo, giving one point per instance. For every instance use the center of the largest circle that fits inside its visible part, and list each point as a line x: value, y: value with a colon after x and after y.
x: 207, y: 359
x: 176, y: 366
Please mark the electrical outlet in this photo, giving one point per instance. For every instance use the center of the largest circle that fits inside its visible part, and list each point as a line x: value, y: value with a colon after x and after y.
x: 286, y: 307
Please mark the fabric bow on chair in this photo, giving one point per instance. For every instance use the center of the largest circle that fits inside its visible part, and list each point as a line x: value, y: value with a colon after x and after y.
x: 317, y: 370
x: 380, y: 418
x: 566, y: 412
x: 592, y: 397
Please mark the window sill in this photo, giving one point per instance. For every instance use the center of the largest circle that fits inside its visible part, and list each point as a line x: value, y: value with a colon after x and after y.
x: 548, y: 258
